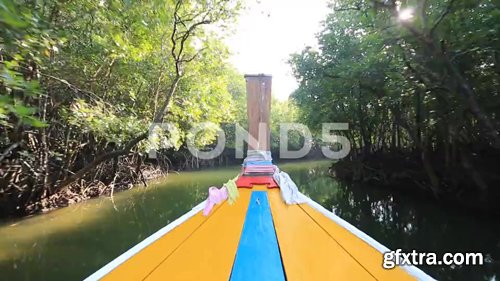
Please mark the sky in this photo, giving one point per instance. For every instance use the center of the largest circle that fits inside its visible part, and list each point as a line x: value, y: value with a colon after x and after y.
x: 268, y: 31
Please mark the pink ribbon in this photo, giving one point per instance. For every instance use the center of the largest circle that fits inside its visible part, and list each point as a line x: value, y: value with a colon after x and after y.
x: 215, y: 196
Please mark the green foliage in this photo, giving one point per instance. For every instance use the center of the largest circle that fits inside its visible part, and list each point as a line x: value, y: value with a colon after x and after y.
x: 103, y: 123
x: 24, y: 41
x: 81, y: 78
x: 370, y: 64
x: 427, y: 83
x: 284, y: 112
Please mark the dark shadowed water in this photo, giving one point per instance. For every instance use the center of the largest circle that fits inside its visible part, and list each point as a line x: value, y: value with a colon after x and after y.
x: 71, y: 243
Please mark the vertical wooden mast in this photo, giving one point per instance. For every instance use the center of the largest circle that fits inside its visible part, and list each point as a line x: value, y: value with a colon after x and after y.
x: 258, y: 110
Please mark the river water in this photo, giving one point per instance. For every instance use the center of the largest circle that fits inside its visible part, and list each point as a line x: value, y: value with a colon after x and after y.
x: 73, y: 242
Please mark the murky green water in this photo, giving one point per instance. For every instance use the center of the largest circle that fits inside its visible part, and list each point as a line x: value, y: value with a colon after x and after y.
x: 71, y: 243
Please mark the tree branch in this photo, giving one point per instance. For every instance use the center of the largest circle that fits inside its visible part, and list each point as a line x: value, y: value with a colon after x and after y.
x: 8, y: 150
x: 442, y: 16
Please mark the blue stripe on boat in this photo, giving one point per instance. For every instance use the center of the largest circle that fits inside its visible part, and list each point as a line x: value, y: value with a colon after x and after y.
x: 258, y: 256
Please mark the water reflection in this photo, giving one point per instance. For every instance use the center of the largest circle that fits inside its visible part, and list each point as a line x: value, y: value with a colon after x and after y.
x: 401, y: 221
x: 71, y: 243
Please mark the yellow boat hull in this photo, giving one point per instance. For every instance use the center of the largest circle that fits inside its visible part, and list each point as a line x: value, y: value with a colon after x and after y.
x: 312, y: 246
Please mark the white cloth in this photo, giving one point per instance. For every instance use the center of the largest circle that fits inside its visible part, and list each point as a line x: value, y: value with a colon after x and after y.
x: 289, y: 191
x: 258, y: 155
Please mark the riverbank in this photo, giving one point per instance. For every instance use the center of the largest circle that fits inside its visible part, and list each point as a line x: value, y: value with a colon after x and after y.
x: 108, y: 178
x: 123, y: 174
x: 84, y: 190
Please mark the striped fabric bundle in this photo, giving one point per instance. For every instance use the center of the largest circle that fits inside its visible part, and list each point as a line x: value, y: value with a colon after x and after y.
x: 258, y: 162
x: 258, y: 170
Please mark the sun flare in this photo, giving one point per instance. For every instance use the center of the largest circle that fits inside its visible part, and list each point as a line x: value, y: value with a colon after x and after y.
x: 405, y: 14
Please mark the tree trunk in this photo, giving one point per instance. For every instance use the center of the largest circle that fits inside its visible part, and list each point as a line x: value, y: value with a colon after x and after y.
x: 429, y: 170
x: 418, y: 118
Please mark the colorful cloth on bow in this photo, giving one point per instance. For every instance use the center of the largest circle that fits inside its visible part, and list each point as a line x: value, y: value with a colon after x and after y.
x: 215, y: 196
x: 261, y: 169
x: 232, y: 190
x: 258, y: 162
x: 258, y: 155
